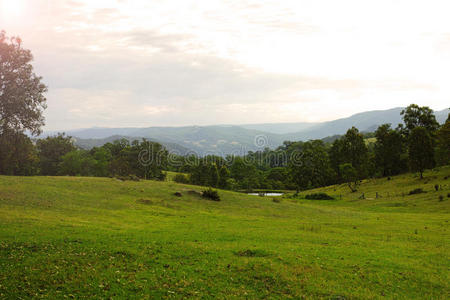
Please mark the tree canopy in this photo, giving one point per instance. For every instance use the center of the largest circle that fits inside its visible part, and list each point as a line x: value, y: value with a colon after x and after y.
x: 22, y: 98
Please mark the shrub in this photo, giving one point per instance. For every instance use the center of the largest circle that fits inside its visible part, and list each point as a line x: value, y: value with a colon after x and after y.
x: 133, y: 177
x: 319, y: 196
x: 129, y: 177
x: 211, y: 194
x: 180, y: 178
x: 416, y: 191
x: 441, y: 198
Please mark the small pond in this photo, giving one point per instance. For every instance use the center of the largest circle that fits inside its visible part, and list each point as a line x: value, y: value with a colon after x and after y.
x: 266, y: 194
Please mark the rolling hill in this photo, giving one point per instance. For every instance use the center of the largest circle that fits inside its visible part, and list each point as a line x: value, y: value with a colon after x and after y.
x: 228, y: 139
x: 101, y: 238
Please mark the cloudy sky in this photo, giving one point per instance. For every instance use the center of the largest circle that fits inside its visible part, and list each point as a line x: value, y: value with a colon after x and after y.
x: 156, y: 63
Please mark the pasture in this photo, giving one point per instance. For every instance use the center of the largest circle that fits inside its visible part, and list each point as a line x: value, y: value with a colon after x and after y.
x: 75, y: 237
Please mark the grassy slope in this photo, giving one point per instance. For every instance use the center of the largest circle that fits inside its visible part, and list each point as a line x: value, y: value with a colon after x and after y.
x: 92, y: 237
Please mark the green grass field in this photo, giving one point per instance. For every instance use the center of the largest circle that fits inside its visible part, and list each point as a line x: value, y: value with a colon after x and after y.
x: 69, y: 237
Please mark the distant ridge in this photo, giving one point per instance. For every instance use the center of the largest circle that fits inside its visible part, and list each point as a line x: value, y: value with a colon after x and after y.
x: 239, y: 139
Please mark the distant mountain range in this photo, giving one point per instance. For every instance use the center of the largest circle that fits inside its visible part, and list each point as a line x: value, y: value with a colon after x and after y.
x: 239, y: 139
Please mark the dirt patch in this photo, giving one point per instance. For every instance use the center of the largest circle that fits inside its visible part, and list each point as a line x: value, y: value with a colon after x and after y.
x: 144, y: 201
x: 252, y: 253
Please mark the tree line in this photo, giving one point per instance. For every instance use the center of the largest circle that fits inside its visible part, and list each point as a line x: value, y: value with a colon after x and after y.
x: 418, y: 144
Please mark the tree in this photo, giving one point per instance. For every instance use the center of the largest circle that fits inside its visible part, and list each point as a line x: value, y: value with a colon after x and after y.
x: 50, y: 152
x: 355, y: 150
x: 244, y: 172
x: 388, y: 150
x: 224, y: 175
x: 214, y: 176
x: 77, y: 163
x: 22, y: 98
x: 416, y: 116
x: 17, y: 154
x: 148, y: 159
x: 349, y: 174
x: 443, y: 143
x: 313, y: 169
x: 351, y: 149
x: 102, y: 157
x: 337, y: 156
x: 420, y: 150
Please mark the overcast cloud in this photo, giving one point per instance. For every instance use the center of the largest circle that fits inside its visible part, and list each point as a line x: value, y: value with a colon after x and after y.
x: 156, y: 63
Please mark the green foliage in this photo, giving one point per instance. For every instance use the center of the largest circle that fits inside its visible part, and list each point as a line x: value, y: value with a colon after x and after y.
x: 51, y: 151
x: 350, y: 176
x: 22, y: 98
x: 102, y: 158
x: 17, y: 154
x: 224, y: 175
x: 243, y: 171
x: 388, y: 150
x: 350, y: 149
x: 319, y: 196
x: 181, y: 178
x: 420, y: 150
x: 419, y: 116
x: 443, y: 144
x: 211, y: 194
x: 205, y: 173
x: 312, y: 169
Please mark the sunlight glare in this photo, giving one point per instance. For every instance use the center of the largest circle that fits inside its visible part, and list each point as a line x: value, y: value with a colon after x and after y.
x: 11, y: 8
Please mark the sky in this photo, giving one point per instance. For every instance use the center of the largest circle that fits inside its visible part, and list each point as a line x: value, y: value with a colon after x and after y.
x: 148, y: 63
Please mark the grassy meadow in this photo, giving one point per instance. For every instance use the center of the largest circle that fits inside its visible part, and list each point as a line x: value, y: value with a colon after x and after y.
x: 78, y: 237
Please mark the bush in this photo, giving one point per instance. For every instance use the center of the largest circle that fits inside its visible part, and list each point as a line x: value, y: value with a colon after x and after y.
x: 180, y: 178
x: 319, y: 196
x: 416, y: 191
x: 441, y: 198
x: 129, y: 177
x: 211, y: 194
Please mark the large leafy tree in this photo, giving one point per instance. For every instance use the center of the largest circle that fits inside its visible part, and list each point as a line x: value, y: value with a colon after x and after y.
x: 420, y: 150
x: 388, y: 150
x: 351, y: 149
x: 51, y: 151
x: 151, y: 158
x: 419, y: 116
x: 22, y: 98
x: 349, y: 174
x: 356, y: 150
x: 337, y: 156
x: 22, y: 102
x: 17, y: 154
x: 313, y: 168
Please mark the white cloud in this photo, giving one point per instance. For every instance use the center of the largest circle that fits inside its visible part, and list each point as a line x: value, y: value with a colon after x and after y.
x: 145, y: 63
